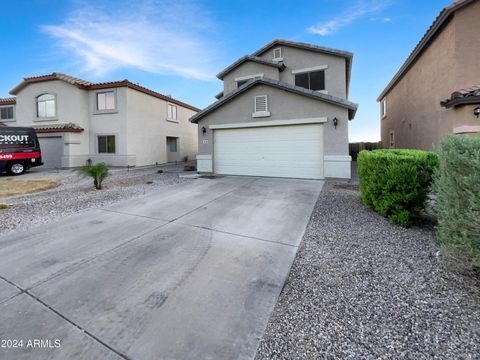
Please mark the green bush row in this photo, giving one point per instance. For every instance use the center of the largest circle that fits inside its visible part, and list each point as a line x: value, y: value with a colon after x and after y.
x: 395, y: 183
x: 457, y: 187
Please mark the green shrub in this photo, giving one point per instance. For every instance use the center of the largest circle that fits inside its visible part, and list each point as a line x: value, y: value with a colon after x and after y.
x: 160, y: 171
x: 4, y: 206
x: 395, y: 183
x: 457, y: 186
x: 98, y: 172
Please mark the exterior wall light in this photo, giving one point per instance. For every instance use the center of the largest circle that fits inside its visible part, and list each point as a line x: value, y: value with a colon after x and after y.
x: 204, y: 130
x: 476, y: 111
x: 335, y: 122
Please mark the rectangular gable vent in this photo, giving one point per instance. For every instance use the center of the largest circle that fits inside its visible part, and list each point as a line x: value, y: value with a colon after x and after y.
x: 277, y: 53
x: 261, y: 104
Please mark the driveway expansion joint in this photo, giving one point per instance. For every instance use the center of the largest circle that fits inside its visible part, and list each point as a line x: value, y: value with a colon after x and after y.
x: 71, y: 322
x: 235, y: 234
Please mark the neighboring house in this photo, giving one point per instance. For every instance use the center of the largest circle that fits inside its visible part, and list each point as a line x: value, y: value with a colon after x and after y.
x: 284, y: 112
x: 444, y: 65
x: 120, y: 123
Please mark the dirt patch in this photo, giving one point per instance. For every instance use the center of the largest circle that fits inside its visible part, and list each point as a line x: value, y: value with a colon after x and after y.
x: 11, y: 187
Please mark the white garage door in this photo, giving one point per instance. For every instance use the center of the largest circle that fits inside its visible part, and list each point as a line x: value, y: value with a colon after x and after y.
x: 52, y: 151
x: 279, y: 151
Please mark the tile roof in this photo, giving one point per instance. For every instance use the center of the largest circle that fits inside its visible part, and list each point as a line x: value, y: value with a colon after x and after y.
x: 8, y: 101
x: 469, y: 95
x: 49, y: 128
x: 87, y: 85
x: 352, y: 107
x: 427, y: 38
x: 243, y: 59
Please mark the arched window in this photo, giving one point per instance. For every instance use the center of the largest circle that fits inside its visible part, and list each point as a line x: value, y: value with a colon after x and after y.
x: 46, y: 106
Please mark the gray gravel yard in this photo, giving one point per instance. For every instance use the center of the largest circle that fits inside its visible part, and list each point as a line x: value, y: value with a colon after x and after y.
x: 363, y: 288
x: 76, y: 193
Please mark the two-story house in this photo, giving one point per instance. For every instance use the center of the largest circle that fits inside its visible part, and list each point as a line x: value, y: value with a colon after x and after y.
x: 437, y: 89
x: 120, y: 123
x: 284, y: 112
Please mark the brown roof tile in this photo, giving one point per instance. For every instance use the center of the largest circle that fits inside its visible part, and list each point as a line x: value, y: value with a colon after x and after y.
x: 84, y: 84
x: 465, y: 96
x: 49, y: 128
x: 8, y: 101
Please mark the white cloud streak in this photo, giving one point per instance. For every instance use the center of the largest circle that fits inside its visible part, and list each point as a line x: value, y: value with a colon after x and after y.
x: 361, y: 9
x: 162, y: 37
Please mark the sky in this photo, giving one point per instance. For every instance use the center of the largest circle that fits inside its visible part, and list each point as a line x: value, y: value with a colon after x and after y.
x: 177, y: 47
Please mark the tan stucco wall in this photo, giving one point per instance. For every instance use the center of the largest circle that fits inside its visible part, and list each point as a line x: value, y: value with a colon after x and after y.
x: 110, y: 123
x: 448, y: 64
x: 295, y: 59
x: 71, y: 106
x: 148, y: 128
x: 138, y: 123
x: 247, y: 69
x: 282, y: 106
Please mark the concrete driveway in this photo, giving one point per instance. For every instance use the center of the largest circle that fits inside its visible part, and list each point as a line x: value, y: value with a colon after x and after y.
x: 192, y: 272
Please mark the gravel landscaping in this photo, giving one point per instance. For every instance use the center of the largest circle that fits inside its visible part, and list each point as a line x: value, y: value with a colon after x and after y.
x: 75, y: 193
x: 363, y: 288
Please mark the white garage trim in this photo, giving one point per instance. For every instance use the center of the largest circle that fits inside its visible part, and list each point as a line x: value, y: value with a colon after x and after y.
x: 319, y: 120
x: 204, y: 163
x: 294, y: 151
x: 337, y: 166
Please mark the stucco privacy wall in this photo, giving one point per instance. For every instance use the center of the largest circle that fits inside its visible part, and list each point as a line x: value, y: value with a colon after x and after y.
x: 148, y: 112
x: 282, y: 106
x: 247, y: 69
x: 68, y: 97
x: 294, y: 59
x: 450, y: 63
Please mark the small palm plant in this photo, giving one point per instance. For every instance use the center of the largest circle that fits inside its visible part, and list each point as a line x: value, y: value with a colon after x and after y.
x: 98, y: 172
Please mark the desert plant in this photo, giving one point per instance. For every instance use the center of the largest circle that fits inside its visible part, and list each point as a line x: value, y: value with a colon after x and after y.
x: 395, y: 183
x: 98, y: 172
x: 160, y: 171
x: 457, y: 187
x: 4, y: 206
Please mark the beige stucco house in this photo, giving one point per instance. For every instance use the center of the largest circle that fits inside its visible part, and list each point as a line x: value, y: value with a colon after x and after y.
x: 283, y: 112
x: 120, y: 123
x: 436, y: 91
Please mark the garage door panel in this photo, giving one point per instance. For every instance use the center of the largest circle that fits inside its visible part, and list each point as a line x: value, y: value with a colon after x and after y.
x: 280, y: 151
x: 52, y: 151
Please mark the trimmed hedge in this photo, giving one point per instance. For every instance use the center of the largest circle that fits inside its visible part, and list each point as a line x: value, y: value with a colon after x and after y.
x: 395, y: 183
x: 457, y: 184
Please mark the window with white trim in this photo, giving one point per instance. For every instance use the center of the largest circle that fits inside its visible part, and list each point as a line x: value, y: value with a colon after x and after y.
x: 383, y: 106
x: 105, y: 100
x: 106, y: 144
x: 314, y: 80
x: 391, y: 139
x: 277, y: 53
x: 6, y: 113
x: 171, y: 112
x: 46, y: 106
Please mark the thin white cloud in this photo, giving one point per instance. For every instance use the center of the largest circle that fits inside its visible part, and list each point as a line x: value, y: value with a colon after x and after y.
x: 360, y: 9
x: 162, y: 37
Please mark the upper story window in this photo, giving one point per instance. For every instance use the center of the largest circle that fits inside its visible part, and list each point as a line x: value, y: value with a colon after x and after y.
x: 383, y: 107
x: 243, y: 79
x: 241, y: 82
x: 46, y: 107
x: 6, y: 113
x: 171, y: 112
x: 277, y: 54
x: 313, y: 80
x: 106, y: 100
